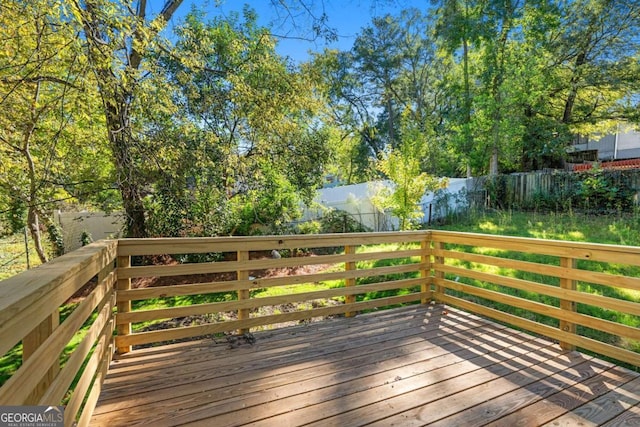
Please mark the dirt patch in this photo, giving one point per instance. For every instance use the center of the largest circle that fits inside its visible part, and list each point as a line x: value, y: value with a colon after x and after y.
x: 229, y: 316
x: 148, y: 282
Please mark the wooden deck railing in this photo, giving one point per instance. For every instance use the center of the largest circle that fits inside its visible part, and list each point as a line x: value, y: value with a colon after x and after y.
x: 556, y: 289
x: 244, y: 262
x: 31, y: 324
x: 492, y: 276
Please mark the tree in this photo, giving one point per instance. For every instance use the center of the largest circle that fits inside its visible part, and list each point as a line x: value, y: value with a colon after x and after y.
x: 47, y: 99
x: 402, y: 166
x: 118, y: 37
x: 253, y: 118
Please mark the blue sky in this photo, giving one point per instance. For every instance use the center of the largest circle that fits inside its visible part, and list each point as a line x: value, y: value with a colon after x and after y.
x: 346, y: 16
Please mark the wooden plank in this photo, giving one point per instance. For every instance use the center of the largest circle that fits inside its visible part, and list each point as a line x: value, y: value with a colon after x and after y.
x: 425, y: 273
x: 487, y: 411
x: 546, y: 310
x: 101, y: 327
x: 243, y: 294
x: 257, y: 384
x: 192, y: 331
x: 28, y: 298
x: 247, y: 304
x: 17, y: 388
x: 631, y: 417
x: 30, y: 345
x: 616, y: 353
x: 545, y: 269
x: 100, y: 358
x: 438, y: 273
x: 162, y: 246
x: 567, y: 304
x: 306, y: 401
x: 244, y: 265
x: 350, y: 282
x: 603, y: 408
x: 579, y: 250
x: 445, y: 385
x: 234, y: 285
x: 123, y: 284
x: 468, y: 343
x: 512, y: 379
x: 551, y: 407
x: 629, y: 307
x: 196, y: 373
x: 94, y: 394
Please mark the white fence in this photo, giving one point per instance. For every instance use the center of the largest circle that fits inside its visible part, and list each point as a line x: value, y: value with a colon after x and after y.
x: 356, y: 200
x: 98, y: 225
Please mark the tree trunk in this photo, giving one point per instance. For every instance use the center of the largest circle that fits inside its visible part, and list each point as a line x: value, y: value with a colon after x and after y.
x: 468, y: 139
x: 127, y: 180
x: 34, y: 229
x: 567, y: 114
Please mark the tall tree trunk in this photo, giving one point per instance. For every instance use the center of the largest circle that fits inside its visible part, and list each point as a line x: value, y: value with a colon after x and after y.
x: 128, y: 182
x: 567, y: 114
x: 468, y: 139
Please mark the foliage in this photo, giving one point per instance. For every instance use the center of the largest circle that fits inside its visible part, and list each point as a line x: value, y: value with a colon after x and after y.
x: 49, y: 142
x: 56, y: 239
x: 85, y: 238
x: 595, y: 191
x: 246, y: 144
x: 403, y: 168
x: 338, y: 221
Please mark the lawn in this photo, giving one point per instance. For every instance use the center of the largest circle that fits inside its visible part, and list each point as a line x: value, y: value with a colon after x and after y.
x: 13, y: 255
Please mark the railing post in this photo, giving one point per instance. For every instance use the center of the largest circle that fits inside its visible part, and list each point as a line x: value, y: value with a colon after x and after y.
x: 437, y: 272
x: 243, y: 294
x: 568, y: 305
x: 350, y: 281
x: 425, y: 272
x: 123, y: 306
x: 31, y: 343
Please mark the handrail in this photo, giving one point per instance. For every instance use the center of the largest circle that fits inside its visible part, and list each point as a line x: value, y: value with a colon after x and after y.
x: 552, y: 288
x: 499, y: 276
x: 30, y: 323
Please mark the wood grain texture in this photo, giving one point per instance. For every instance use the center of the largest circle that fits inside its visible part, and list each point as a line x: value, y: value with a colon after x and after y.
x: 28, y: 298
x: 161, y: 246
x: 408, y: 366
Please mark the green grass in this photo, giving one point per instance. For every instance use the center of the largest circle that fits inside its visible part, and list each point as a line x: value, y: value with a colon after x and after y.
x: 13, y: 256
x: 621, y: 229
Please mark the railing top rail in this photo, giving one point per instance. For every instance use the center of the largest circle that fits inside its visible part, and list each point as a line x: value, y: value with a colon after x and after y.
x: 161, y: 246
x: 26, y: 299
x: 579, y: 250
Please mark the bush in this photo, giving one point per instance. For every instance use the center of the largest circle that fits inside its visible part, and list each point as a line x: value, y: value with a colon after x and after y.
x: 338, y: 221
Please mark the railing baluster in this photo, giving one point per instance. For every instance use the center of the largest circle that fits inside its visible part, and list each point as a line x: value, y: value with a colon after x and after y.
x: 425, y: 259
x: 124, y: 306
x: 243, y: 294
x: 438, y: 273
x: 31, y: 343
x: 351, y: 281
x: 568, y: 305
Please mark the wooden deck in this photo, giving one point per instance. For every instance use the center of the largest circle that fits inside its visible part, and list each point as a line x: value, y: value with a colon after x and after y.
x: 418, y: 365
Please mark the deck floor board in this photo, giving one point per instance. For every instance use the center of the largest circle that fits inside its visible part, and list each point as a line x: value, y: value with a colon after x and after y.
x: 417, y: 365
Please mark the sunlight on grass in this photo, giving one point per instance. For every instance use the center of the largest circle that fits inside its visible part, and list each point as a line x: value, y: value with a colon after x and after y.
x: 488, y: 227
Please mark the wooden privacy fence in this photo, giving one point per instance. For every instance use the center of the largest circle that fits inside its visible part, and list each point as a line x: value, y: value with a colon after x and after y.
x: 525, y: 189
x: 556, y: 289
